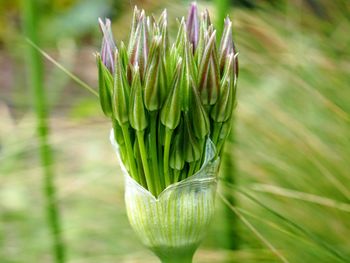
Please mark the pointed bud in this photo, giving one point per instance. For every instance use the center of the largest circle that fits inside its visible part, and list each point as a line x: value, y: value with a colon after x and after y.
x: 192, y: 145
x: 154, y: 78
x: 105, y: 84
x: 137, y: 112
x: 198, y: 115
x: 135, y: 21
x: 171, y: 111
x: 123, y: 56
x: 108, y: 45
x: 226, y: 44
x: 177, y: 160
x: 222, y: 110
x: 139, y: 49
x: 189, y: 73
x: 206, y: 18
x: 208, y: 74
x: 193, y: 25
x: 163, y: 28
x: 181, y: 36
x: 121, y: 89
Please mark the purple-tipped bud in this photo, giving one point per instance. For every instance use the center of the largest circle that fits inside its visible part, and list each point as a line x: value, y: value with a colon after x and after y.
x: 222, y: 110
x: 193, y: 25
x: 154, y: 77
x: 108, y: 46
x: 226, y: 44
x: 163, y: 28
x: 139, y: 48
x: 227, y: 47
x: 208, y: 74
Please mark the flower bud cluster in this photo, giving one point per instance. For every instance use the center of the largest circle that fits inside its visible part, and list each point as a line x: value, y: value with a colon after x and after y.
x: 165, y: 100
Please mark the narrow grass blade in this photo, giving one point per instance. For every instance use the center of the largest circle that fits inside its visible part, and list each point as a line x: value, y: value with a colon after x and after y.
x: 61, y: 67
x: 253, y: 229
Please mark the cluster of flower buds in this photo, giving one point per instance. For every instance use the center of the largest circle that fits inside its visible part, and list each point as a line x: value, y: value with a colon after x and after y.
x: 166, y: 100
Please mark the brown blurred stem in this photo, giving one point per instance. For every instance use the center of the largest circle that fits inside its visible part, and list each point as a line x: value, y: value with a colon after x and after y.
x: 35, y: 76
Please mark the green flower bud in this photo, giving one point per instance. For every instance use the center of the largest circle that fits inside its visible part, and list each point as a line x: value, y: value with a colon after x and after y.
x: 139, y: 49
x: 198, y: 115
x: 155, y: 77
x: 177, y: 160
x: 222, y: 110
x: 121, y: 95
x: 137, y: 112
x: 163, y: 28
x: 134, y: 23
x: 105, y: 85
x: 208, y: 75
x: 227, y: 47
x: 123, y: 56
x: 192, y: 145
x: 171, y: 111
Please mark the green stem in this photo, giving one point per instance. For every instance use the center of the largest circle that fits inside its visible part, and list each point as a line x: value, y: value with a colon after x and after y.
x: 130, y: 152
x: 175, y: 254
x: 140, y: 168
x: 191, y: 169
x: 35, y: 68
x: 168, y: 134
x: 159, y: 180
x: 184, y: 173
x: 216, y: 132
x: 121, y: 143
x: 141, y: 141
x: 177, y: 174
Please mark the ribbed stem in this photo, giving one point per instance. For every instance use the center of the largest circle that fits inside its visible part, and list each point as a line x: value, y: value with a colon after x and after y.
x: 168, y: 134
x: 159, y: 180
x: 149, y: 179
x: 35, y: 69
x: 130, y: 152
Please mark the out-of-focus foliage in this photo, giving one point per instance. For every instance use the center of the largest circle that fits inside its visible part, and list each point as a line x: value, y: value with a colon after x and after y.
x: 291, y: 144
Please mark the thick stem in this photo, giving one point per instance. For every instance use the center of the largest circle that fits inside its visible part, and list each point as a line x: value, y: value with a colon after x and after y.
x: 191, y: 169
x: 159, y: 180
x: 177, y: 260
x: 168, y: 134
x: 216, y: 132
x: 141, y: 141
x: 130, y: 152
x: 35, y: 68
x: 177, y: 174
x: 176, y: 255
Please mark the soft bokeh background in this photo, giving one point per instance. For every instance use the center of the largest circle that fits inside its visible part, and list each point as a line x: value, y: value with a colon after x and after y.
x: 289, y: 153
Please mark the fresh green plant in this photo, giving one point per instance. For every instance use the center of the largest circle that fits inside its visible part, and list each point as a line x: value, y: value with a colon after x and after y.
x: 165, y: 100
x: 169, y: 104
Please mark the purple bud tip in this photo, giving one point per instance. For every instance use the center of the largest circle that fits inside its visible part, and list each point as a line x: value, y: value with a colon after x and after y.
x: 108, y: 45
x: 193, y: 25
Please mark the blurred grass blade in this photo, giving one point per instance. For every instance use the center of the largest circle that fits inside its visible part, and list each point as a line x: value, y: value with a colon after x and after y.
x: 253, y: 229
x: 301, y: 229
x: 311, y: 198
x: 61, y: 67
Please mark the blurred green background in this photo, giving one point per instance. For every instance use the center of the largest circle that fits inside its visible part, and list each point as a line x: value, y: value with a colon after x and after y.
x: 288, y: 156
